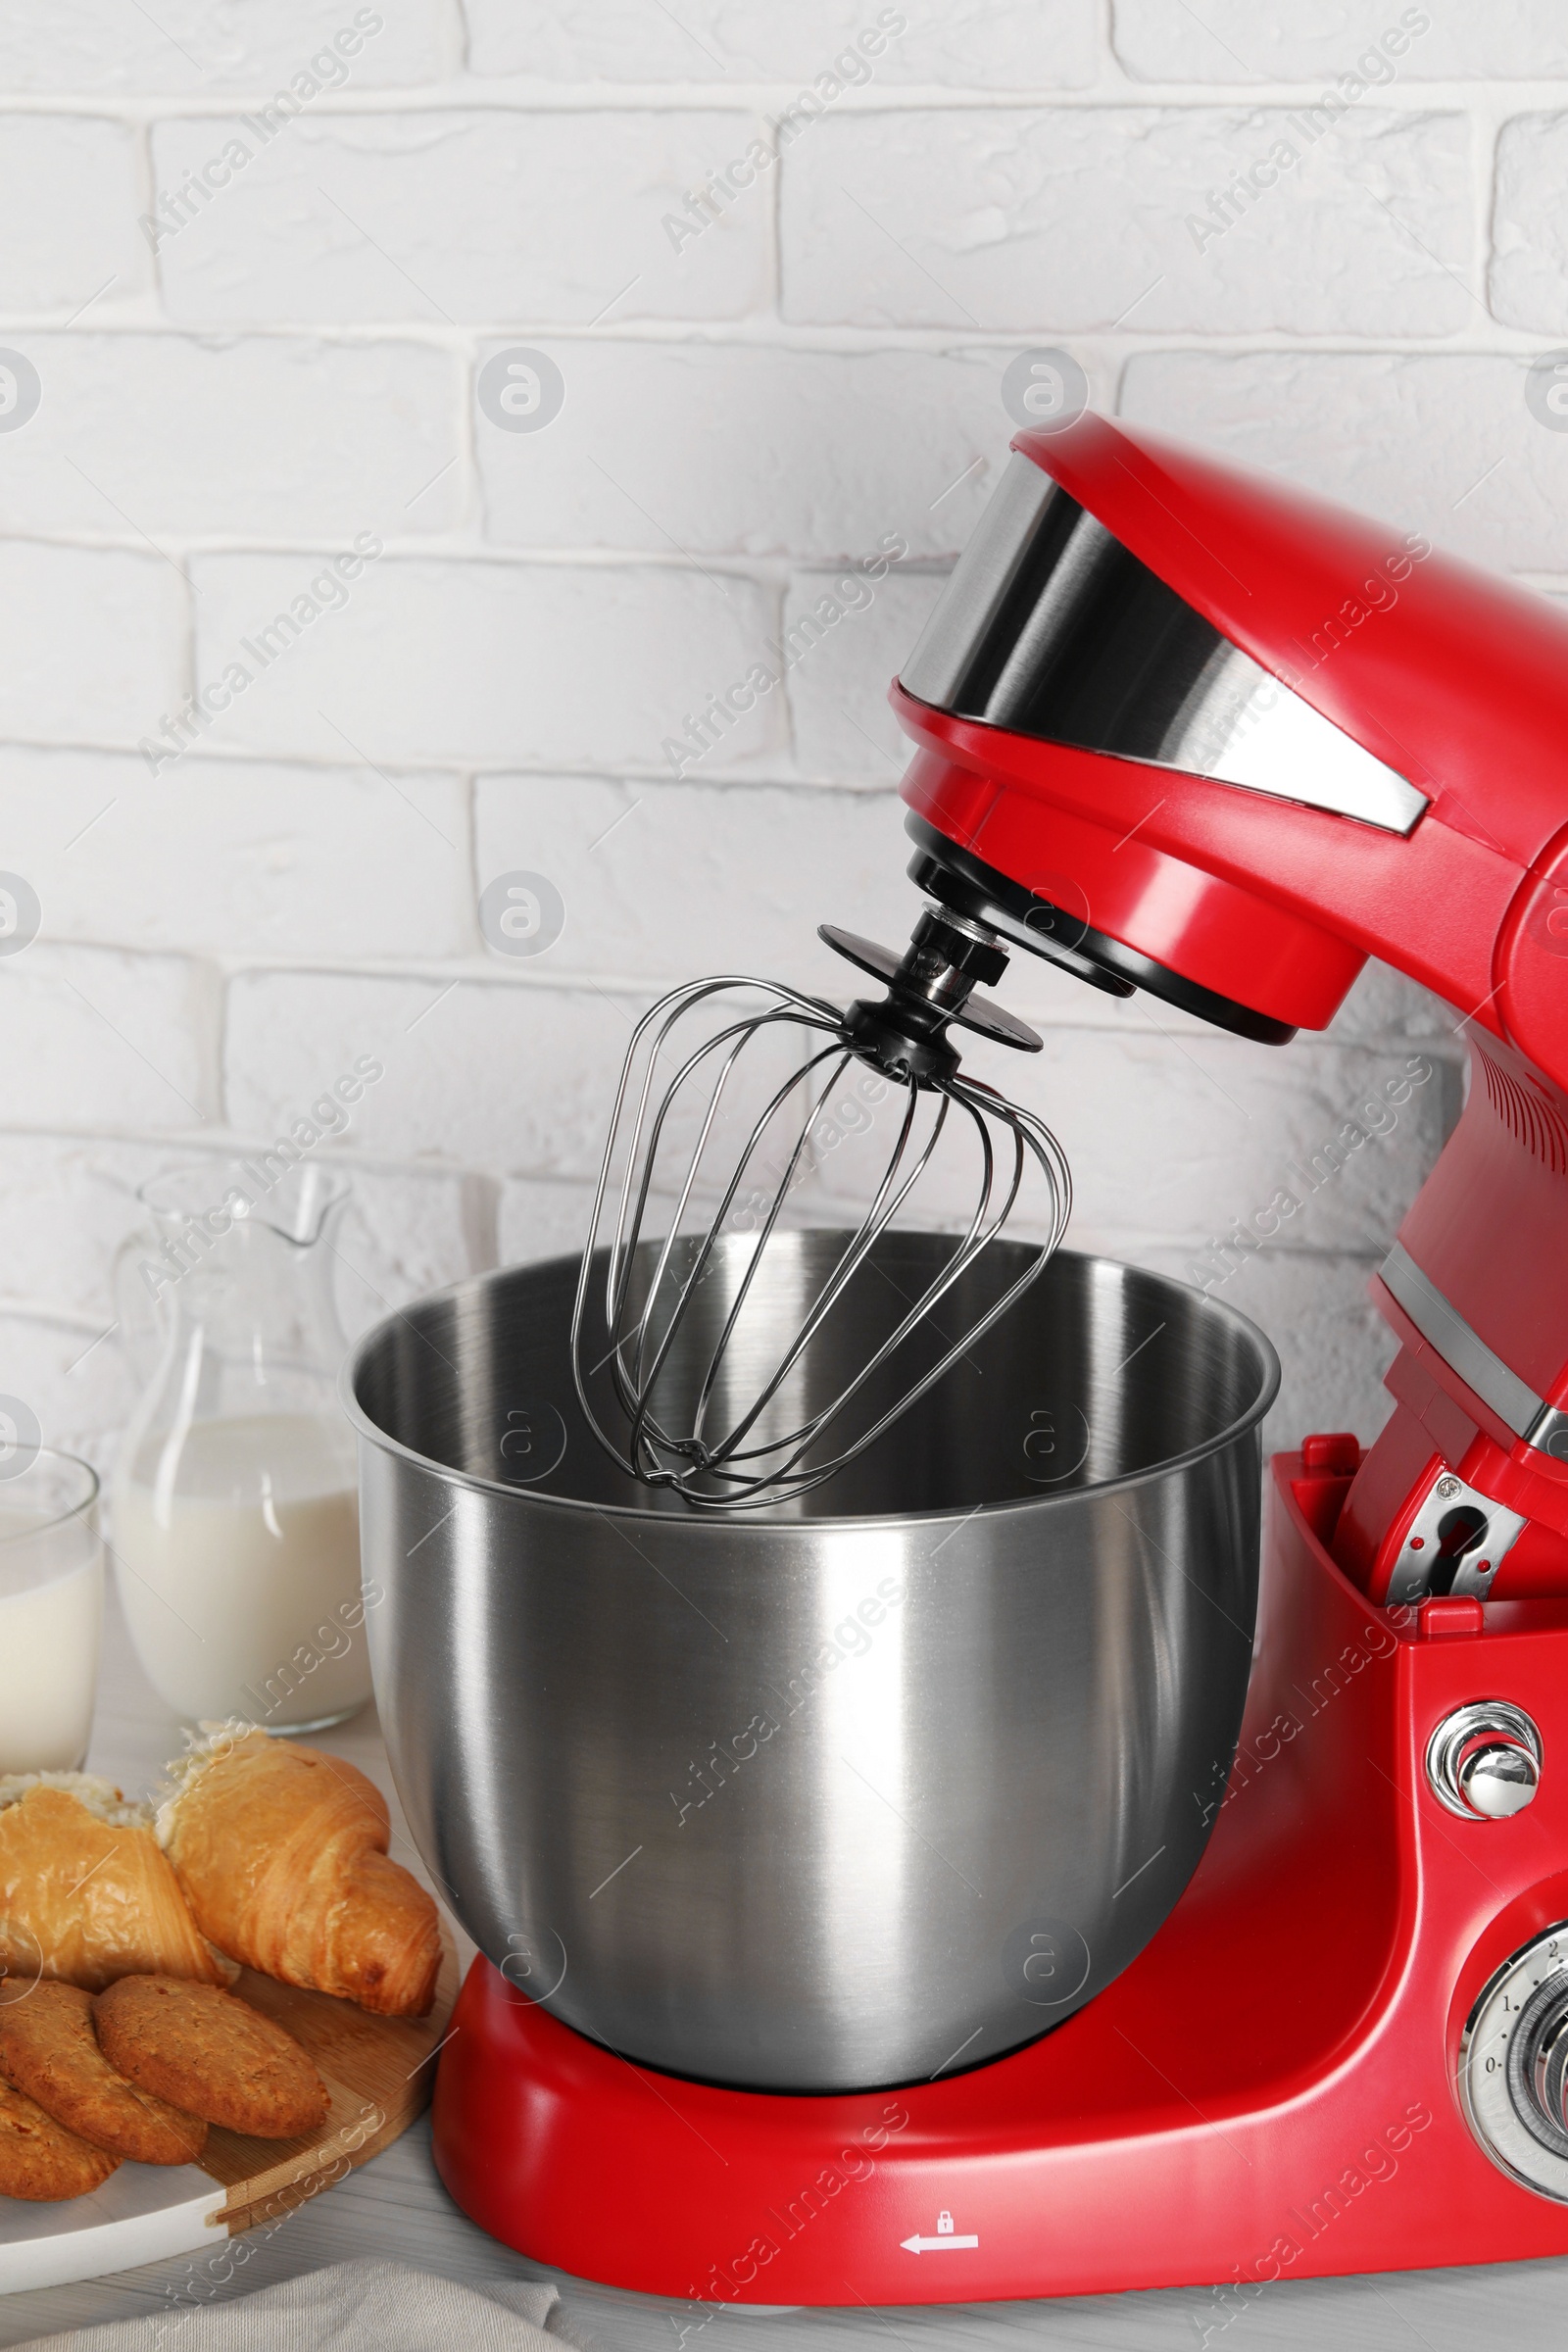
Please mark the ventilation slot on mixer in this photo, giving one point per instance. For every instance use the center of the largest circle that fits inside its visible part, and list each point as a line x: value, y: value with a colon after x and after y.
x: 1531, y: 1120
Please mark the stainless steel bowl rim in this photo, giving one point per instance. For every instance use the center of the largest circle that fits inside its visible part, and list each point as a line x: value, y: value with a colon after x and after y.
x: 721, y: 1528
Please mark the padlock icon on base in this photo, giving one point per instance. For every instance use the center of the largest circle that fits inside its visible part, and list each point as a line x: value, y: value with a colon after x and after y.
x: 944, y: 2225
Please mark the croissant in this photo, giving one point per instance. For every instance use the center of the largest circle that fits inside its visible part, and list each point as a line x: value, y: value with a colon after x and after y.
x: 88, y: 1900
x: 282, y: 1855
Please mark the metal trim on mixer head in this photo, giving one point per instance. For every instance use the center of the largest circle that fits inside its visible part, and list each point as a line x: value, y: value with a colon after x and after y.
x: 1538, y: 1424
x: 1052, y: 629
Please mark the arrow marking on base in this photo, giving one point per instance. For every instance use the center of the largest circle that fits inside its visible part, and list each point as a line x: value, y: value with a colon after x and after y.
x: 936, y: 2246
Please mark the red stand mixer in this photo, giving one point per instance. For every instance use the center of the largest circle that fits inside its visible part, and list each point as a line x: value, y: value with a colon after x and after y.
x: 1181, y: 729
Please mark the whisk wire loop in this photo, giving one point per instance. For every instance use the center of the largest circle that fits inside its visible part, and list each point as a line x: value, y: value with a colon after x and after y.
x: 693, y: 1410
x: 638, y: 1404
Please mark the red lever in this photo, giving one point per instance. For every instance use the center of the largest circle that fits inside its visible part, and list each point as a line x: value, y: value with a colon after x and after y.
x: 1337, y: 1455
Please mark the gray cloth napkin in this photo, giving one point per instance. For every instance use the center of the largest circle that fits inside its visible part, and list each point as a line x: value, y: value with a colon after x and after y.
x: 351, y: 2307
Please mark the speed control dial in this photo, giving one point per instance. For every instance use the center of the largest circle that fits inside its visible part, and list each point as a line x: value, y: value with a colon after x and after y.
x: 1513, y: 2065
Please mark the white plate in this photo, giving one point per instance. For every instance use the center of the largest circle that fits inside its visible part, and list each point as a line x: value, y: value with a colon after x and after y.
x: 142, y: 2213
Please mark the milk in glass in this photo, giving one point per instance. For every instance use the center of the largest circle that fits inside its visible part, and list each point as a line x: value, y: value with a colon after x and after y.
x: 51, y: 1610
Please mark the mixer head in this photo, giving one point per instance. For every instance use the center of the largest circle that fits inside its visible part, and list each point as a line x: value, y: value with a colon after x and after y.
x: 725, y: 1107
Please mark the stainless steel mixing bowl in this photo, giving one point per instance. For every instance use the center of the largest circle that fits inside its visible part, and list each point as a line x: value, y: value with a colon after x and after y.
x: 885, y: 1781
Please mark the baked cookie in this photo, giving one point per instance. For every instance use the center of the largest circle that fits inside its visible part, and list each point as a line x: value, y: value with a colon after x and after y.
x: 48, y: 2050
x: 41, y: 2159
x: 209, y: 2054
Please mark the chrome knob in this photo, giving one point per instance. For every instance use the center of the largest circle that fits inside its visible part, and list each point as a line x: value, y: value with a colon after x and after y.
x: 1496, y: 1778
x: 1483, y: 1760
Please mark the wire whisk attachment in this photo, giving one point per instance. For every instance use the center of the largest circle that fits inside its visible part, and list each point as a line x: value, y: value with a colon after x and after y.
x: 706, y: 1360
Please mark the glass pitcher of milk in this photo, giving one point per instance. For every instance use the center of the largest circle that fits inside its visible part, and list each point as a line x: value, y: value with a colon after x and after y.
x: 235, y: 1511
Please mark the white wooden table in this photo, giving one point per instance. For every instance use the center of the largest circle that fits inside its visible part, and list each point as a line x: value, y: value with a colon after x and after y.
x: 396, y: 2207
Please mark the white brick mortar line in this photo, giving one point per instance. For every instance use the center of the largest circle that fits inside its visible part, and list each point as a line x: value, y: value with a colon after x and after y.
x: 487, y: 95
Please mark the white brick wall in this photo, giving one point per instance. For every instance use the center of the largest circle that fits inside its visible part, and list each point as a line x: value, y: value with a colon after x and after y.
x: 440, y: 216
x: 1443, y: 439
x: 283, y: 358
x: 1238, y: 41
x: 190, y: 47
x: 275, y: 437
x: 751, y: 449
x: 424, y: 659
x: 92, y: 640
x: 1003, y: 219
x: 1530, y: 264
x: 68, y: 194
x: 982, y: 44
x: 622, y: 856
x: 260, y: 862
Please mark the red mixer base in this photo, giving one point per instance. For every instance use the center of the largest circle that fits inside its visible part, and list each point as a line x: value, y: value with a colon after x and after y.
x: 1266, y: 2092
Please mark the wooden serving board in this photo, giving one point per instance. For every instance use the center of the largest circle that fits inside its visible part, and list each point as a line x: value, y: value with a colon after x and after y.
x: 379, y: 2071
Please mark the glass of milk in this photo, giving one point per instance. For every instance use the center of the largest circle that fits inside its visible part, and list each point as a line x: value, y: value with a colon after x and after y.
x: 234, y: 1525
x: 51, y: 1610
